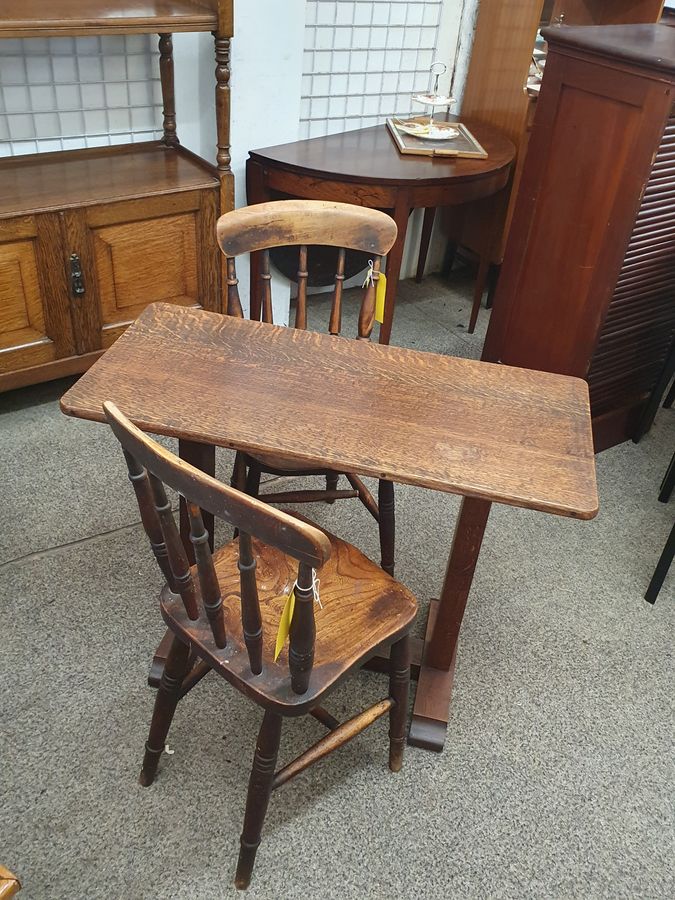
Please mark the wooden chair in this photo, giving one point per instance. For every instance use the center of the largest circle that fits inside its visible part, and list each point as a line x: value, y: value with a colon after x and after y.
x: 668, y: 552
x: 9, y: 884
x: 283, y: 223
x: 225, y: 618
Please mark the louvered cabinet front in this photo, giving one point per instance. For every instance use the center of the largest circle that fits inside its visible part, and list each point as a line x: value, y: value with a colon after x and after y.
x: 639, y: 328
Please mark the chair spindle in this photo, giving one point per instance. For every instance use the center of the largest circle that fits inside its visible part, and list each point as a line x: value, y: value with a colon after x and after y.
x: 251, y: 619
x: 335, y: 324
x: 138, y: 476
x: 266, y: 288
x: 301, y: 306
x: 208, y: 580
x: 367, y: 313
x: 303, y: 631
x: 180, y: 567
x: 233, y: 302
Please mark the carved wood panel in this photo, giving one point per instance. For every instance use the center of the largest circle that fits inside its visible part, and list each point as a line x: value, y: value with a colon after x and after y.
x: 165, y: 271
x: 24, y: 340
x: 152, y: 252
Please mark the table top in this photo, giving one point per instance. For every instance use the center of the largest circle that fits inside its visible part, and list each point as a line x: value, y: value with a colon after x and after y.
x: 649, y: 45
x: 370, y: 155
x: 498, y: 433
x: 45, y: 18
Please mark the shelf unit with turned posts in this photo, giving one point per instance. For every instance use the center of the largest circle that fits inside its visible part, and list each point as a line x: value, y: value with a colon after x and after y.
x: 89, y: 237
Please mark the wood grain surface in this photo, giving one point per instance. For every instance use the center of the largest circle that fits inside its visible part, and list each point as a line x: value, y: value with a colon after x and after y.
x: 586, y: 284
x: 362, y: 608
x: 44, y: 18
x: 370, y: 154
x: 285, y: 223
x: 494, y: 432
x: 9, y: 884
x: 75, y: 178
x: 647, y: 45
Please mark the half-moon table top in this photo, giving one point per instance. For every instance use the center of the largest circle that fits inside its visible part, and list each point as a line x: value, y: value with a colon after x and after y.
x: 370, y: 155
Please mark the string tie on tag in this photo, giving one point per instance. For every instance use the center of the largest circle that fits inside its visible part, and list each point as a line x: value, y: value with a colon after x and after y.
x: 369, y: 275
x: 315, y: 588
x: 287, y: 614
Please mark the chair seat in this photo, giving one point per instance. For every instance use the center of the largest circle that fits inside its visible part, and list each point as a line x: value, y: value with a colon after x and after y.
x: 281, y: 465
x: 362, y: 609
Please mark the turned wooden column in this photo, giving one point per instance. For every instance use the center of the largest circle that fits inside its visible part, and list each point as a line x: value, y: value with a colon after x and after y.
x: 170, y: 137
x: 223, y: 158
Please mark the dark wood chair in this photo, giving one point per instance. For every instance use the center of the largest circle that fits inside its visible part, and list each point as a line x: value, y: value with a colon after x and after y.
x: 9, y: 884
x: 225, y: 619
x: 668, y: 552
x: 288, y: 223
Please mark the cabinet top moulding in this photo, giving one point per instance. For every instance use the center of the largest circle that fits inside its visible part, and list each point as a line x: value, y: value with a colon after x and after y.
x: 45, y: 18
x: 46, y: 182
x: 648, y: 46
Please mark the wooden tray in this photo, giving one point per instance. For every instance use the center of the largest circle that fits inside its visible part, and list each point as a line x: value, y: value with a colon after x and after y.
x: 465, y: 144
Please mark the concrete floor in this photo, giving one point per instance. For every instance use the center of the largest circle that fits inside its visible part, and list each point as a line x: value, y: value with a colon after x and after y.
x: 557, y: 777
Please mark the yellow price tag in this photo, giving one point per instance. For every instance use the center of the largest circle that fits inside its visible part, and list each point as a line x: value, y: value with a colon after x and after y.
x: 284, y: 624
x: 379, y: 298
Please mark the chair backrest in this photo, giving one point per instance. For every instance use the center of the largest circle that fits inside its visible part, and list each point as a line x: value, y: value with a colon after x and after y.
x: 285, y: 223
x: 151, y: 467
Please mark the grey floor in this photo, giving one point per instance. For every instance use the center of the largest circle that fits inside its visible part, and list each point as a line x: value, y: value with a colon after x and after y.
x: 557, y: 777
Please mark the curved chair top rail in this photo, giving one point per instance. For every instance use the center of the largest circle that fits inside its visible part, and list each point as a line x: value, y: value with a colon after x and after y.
x: 298, y: 539
x: 311, y: 222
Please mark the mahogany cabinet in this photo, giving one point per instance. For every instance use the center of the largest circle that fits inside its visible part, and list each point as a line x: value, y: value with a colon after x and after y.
x: 588, y: 282
x: 495, y: 88
x: 89, y: 237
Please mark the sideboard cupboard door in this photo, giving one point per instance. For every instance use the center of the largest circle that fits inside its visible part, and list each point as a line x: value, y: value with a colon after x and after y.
x: 136, y: 252
x: 35, y: 326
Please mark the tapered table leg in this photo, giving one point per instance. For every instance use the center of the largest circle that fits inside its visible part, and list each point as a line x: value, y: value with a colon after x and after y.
x: 434, y: 685
x: 256, y: 192
x: 427, y: 228
x: 394, y: 260
x: 202, y: 456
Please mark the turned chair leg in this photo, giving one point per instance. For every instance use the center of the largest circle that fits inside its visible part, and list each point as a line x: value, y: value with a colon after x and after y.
x: 259, y: 790
x: 238, y: 479
x: 399, y: 682
x: 387, y: 523
x: 662, y: 567
x: 253, y: 480
x: 331, y: 483
x: 166, y: 701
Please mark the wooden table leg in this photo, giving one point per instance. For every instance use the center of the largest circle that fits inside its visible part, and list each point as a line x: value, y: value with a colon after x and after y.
x: 434, y: 686
x: 427, y: 228
x: 202, y: 456
x: 256, y: 192
x: 479, y: 290
x: 387, y: 523
x: 394, y: 259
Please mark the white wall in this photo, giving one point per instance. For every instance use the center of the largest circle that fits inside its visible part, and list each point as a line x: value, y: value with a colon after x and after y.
x: 265, y: 84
